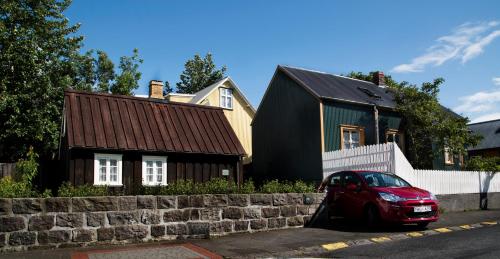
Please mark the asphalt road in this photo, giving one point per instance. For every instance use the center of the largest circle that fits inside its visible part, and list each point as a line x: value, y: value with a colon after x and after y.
x: 476, y: 243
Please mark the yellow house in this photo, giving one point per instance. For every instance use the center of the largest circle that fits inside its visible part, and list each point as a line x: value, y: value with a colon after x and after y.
x: 238, y: 110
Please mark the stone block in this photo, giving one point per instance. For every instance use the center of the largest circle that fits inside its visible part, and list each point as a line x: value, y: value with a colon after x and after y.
x: 295, y: 221
x: 123, y: 218
x: 221, y: 227
x: 167, y: 202
x: 288, y: 211
x: 177, y: 229
x: 95, y: 219
x: 149, y: 217
x: 182, y: 201
x: 84, y: 235
x: 198, y: 228
x: 294, y: 198
x: 5, y: 206
x: 146, y: 202
x: 307, y: 219
x: 279, y: 199
x: 22, y: 238
x: 2, y: 240
x: 276, y: 223
x: 261, y: 199
x: 26, y: 206
x: 215, y: 200
x: 133, y: 232
x: 71, y: 220
x: 258, y: 224
x: 251, y: 213
x: 302, y: 210
x: 212, y: 214
x: 270, y: 212
x: 241, y: 225
x: 105, y: 234
x: 86, y: 204
x: 232, y: 213
x: 194, y: 214
x: 53, y: 236
x: 157, y: 231
x: 59, y: 204
x: 10, y: 224
x: 176, y: 215
x: 127, y: 202
x: 196, y: 201
x: 38, y: 223
x: 240, y: 200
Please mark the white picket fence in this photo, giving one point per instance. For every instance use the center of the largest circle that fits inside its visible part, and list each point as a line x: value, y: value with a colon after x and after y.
x: 389, y: 158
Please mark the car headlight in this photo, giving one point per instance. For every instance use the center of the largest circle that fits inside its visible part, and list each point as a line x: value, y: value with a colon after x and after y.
x: 390, y: 197
x: 432, y: 196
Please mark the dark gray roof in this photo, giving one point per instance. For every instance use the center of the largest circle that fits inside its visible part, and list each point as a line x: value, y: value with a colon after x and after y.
x: 490, y: 130
x: 329, y: 86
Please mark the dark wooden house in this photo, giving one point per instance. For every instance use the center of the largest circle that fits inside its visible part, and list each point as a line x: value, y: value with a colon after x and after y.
x: 490, y: 144
x: 125, y: 141
x: 305, y: 113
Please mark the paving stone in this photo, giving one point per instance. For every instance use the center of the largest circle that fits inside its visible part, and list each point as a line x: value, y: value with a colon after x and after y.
x: 240, y: 200
x: 146, y: 202
x: 295, y: 221
x: 276, y: 222
x: 251, y: 213
x: 359, y: 242
x: 133, y: 232
x: 87, y: 204
x: 429, y: 232
x: 57, y: 204
x: 123, y: 218
x: 232, y: 213
x: 176, y: 215
x: 53, y: 236
x: 157, y: 231
x: 84, y: 235
x: 270, y: 212
x: 127, y: 202
x: 241, y: 225
x: 288, y: 211
x: 44, y: 222
x: 167, y: 202
x: 95, y: 219
x: 105, y: 234
x: 22, y: 238
x: 477, y: 225
x: 149, y: 217
x: 26, y: 206
x: 72, y: 220
x: 10, y: 224
x: 177, y: 229
x: 215, y: 200
x: 399, y: 237
x: 456, y: 228
x: 261, y: 199
x: 5, y: 206
x: 279, y: 199
x: 258, y: 224
x: 198, y: 228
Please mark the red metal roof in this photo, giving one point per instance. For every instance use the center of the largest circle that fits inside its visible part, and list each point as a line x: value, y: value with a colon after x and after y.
x: 105, y: 121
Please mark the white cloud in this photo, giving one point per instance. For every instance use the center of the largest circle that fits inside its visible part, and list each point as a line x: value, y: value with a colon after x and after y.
x: 487, y: 117
x: 467, y: 41
x: 479, y: 102
x: 496, y: 80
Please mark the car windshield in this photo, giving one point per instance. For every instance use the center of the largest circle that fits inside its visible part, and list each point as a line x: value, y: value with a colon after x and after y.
x: 377, y: 179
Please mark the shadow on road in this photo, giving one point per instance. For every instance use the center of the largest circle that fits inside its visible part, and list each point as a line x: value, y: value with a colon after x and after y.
x: 320, y: 220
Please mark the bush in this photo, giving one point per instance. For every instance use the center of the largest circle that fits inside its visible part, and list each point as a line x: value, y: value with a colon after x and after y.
x: 68, y: 190
x: 12, y: 189
x: 275, y: 186
x: 188, y: 187
x: 488, y: 164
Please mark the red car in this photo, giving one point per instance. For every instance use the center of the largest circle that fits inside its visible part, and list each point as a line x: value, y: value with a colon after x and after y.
x: 378, y: 197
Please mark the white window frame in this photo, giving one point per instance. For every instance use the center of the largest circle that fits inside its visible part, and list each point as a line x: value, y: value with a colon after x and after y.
x: 225, y: 95
x: 163, y: 160
x: 108, y: 157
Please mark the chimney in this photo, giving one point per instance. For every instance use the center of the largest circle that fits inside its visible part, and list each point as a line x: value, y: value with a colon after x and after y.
x: 378, y: 78
x: 156, y: 89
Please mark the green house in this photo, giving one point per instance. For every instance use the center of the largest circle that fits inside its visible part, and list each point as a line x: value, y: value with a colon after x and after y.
x: 304, y: 113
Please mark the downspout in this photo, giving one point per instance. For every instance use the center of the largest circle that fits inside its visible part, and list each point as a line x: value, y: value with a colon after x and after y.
x: 375, y: 116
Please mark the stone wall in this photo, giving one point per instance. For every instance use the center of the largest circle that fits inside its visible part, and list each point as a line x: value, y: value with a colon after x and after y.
x: 27, y: 223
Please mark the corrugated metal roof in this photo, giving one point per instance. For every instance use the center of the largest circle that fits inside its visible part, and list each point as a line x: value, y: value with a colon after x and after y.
x: 490, y: 130
x: 330, y: 86
x: 104, y: 121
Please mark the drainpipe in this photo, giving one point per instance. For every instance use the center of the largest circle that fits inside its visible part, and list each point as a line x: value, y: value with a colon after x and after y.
x: 375, y: 116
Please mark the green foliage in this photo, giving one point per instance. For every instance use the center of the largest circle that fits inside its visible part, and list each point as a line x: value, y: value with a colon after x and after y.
x: 128, y: 79
x: 26, y: 170
x: 488, y: 164
x: 429, y: 127
x: 68, y: 190
x: 199, y: 73
x: 14, y: 189
x: 105, y: 72
x: 369, y: 77
x: 275, y: 186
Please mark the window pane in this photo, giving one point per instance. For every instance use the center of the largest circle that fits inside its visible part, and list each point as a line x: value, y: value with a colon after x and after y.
x: 355, y: 136
x: 159, y: 175
x: 149, y: 163
x: 149, y: 174
x: 346, y: 139
x: 113, y: 174
x: 229, y: 92
x: 102, y: 162
x: 102, y: 172
x: 222, y: 101
x: 112, y: 162
x: 229, y: 102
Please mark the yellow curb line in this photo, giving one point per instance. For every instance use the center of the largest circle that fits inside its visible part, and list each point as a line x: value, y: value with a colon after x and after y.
x: 335, y: 246
x: 489, y: 223
x: 380, y: 239
x: 443, y: 230
x: 466, y: 227
x: 414, y: 234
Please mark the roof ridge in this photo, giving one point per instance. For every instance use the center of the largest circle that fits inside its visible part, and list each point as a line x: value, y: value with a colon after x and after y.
x: 326, y: 73
x: 141, y: 99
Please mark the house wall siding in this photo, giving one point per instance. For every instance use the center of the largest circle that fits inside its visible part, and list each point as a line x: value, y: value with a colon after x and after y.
x: 287, y: 133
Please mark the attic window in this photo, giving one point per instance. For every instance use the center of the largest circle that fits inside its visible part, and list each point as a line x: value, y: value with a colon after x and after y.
x: 226, y: 98
x: 369, y: 93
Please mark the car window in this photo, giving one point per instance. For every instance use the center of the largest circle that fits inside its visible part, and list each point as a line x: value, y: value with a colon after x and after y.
x: 351, y: 178
x: 377, y: 179
x: 335, y: 180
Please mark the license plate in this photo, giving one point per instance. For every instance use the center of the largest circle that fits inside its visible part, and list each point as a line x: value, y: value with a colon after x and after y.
x: 422, y: 209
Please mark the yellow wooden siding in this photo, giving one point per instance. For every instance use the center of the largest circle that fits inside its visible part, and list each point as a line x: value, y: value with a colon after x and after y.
x: 179, y: 98
x: 240, y: 118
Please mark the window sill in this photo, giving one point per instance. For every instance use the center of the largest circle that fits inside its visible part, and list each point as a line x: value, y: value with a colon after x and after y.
x: 108, y: 185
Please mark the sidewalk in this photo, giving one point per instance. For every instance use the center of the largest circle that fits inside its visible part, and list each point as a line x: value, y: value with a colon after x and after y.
x: 262, y: 244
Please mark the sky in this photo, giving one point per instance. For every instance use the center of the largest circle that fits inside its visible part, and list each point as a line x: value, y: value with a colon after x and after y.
x: 414, y: 41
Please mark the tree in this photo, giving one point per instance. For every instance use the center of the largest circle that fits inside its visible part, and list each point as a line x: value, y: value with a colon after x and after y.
x: 37, y: 46
x: 430, y: 127
x: 128, y: 80
x: 199, y: 73
x: 168, y: 89
x: 105, y: 72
